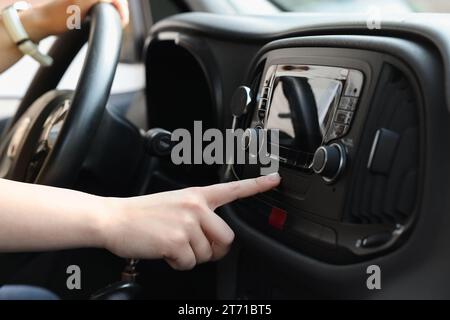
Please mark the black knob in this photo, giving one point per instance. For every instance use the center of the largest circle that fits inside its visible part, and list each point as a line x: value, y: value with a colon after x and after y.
x: 158, y: 142
x: 253, y: 139
x: 329, y: 162
x: 241, y: 101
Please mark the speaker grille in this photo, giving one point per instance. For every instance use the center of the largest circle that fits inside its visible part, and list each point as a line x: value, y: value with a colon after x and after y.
x: 388, y: 198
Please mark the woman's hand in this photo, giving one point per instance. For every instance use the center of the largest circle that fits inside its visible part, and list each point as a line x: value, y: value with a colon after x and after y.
x: 180, y: 227
x: 48, y: 19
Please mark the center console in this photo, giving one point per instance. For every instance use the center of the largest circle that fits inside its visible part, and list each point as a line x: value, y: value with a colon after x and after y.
x: 349, y: 151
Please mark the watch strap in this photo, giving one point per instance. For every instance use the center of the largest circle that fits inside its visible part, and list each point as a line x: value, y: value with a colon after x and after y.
x: 20, y: 37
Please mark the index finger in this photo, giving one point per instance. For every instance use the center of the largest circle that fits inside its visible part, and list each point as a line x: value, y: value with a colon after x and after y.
x: 221, y: 194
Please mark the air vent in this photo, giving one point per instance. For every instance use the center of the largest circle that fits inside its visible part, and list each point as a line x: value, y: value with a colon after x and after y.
x: 384, y: 189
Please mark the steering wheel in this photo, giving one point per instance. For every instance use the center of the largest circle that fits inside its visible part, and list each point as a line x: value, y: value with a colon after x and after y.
x: 49, y: 137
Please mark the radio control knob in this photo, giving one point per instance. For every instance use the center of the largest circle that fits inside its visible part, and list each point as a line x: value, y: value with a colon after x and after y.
x: 329, y: 162
x: 252, y: 139
x: 241, y: 101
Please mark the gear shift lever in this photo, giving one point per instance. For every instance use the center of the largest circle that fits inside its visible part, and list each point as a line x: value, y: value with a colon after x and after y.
x: 123, y: 290
x: 127, y: 289
x: 130, y: 274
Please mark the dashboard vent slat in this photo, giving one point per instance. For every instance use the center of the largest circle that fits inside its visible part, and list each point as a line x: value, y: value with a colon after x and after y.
x: 389, y: 198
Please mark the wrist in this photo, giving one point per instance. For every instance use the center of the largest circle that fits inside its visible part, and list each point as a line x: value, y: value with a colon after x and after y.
x: 105, y: 221
x: 36, y: 24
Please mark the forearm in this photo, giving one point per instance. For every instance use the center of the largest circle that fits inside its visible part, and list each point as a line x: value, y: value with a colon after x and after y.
x: 180, y: 226
x: 35, y: 24
x: 39, y: 218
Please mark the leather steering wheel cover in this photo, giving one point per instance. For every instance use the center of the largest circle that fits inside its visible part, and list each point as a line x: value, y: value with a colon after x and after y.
x: 89, y: 101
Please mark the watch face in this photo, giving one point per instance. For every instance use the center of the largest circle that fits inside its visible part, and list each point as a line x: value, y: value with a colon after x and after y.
x: 22, y: 5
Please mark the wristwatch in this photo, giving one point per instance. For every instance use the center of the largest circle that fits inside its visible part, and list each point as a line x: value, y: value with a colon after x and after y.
x: 18, y: 34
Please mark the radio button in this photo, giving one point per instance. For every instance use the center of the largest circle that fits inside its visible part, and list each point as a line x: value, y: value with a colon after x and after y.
x: 343, y: 117
x: 266, y: 91
x: 262, y: 114
x: 337, y: 131
x: 262, y: 109
x: 277, y: 218
x: 263, y: 103
x: 348, y: 103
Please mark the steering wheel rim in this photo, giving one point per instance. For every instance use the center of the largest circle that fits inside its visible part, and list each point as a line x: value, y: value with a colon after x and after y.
x: 89, y: 99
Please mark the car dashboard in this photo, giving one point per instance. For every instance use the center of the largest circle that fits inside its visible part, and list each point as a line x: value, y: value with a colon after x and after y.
x: 363, y: 116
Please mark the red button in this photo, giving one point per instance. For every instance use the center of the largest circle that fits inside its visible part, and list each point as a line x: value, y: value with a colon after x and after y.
x: 277, y: 218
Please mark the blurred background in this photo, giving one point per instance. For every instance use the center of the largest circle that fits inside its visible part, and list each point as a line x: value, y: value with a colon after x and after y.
x: 131, y: 73
x: 363, y: 5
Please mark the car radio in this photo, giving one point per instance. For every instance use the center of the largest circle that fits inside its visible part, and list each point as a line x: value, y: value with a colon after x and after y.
x: 310, y: 106
x: 316, y: 103
x: 348, y: 140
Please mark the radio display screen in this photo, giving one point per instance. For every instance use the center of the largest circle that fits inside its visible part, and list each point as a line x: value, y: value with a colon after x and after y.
x: 302, y: 110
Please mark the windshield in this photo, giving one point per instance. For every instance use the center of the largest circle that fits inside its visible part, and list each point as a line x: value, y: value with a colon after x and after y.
x: 391, y: 6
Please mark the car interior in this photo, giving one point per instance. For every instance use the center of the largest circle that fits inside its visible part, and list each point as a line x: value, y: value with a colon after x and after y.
x: 361, y: 100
